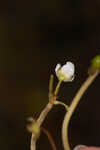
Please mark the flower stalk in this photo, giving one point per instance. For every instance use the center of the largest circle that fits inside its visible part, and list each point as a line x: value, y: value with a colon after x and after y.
x: 72, y: 107
x: 57, y: 88
x: 61, y: 103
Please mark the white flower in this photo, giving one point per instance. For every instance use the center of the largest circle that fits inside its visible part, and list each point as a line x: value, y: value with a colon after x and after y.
x: 66, y: 72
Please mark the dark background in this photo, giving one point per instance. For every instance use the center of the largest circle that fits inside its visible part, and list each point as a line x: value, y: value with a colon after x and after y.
x: 34, y: 37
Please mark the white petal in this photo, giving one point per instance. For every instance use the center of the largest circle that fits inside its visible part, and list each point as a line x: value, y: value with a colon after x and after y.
x: 71, y: 65
x: 68, y: 69
x: 58, y: 66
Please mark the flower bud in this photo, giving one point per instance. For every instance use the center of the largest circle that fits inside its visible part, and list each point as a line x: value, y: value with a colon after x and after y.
x: 66, y: 72
x: 96, y: 62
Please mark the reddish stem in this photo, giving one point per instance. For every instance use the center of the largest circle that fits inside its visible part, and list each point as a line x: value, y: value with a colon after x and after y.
x: 46, y: 132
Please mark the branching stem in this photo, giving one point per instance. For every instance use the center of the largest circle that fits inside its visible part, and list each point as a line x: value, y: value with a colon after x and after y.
x: 46, y: 110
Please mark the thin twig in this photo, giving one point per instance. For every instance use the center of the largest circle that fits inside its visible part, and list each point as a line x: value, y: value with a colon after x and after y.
x: 51, y: 86
x: 72, y: 107
x: 61, y: 103
x: 49, y: 138
x: 57, y: 88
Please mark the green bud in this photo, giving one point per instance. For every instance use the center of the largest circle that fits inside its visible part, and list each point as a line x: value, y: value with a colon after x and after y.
x: 96, y: 62
x: 95, y: 65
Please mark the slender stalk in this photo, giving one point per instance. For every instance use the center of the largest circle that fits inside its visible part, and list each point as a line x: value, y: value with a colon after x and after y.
x: 49, y: 138
x: 72, y: 107
x: 61, y: 103
x: 44, y: 113
x: 57, y: 88
x: 33, y: 143
x: 51, y: 86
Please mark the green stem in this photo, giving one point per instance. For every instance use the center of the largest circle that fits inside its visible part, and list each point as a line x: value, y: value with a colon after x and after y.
x: 61, y: 103
x: 33, y: 143
x: 57, y: 88
x: 51, y: 86
x: 72, y: 107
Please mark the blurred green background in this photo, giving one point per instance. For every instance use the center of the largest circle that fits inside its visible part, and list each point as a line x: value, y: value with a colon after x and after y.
x: 34, y: 37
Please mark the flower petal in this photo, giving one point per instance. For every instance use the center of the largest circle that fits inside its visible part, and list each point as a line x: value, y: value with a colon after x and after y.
x: 58, y: 66
x: 68, y: 69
